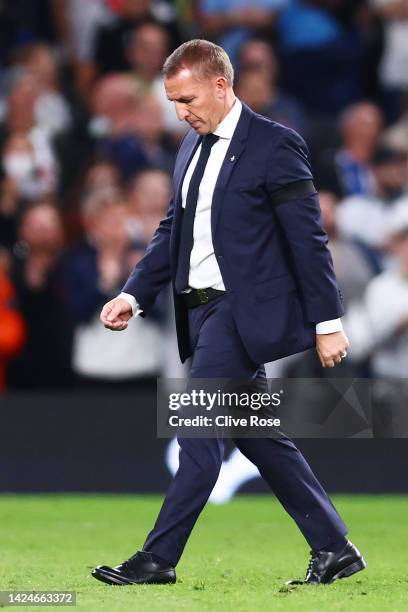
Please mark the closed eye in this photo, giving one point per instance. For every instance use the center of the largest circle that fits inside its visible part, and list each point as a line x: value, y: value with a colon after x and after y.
x: 182, y: 100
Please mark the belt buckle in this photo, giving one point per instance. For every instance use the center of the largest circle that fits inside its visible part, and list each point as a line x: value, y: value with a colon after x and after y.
x: 202, y: 296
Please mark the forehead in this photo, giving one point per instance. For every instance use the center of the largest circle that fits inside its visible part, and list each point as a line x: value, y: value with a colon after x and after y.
x: 183, y: 84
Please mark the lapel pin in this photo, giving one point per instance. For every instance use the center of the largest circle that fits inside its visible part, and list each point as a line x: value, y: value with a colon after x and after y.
x: 232, y: 158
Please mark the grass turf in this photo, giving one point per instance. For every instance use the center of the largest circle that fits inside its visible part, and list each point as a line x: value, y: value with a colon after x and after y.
x: 238, y: 557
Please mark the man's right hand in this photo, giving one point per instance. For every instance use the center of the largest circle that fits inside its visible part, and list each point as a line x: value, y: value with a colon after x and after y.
x: 116, y: 314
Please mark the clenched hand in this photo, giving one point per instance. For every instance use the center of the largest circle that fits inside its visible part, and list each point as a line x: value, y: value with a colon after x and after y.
x: 331, y: 348
x: 116, y: 314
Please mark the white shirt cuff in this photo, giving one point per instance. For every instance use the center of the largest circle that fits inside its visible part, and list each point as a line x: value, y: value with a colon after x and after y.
x: 329, y: 327
x: 136, y: 310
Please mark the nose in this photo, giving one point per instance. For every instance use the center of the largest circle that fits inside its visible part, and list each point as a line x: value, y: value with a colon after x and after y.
x: 182, y: 112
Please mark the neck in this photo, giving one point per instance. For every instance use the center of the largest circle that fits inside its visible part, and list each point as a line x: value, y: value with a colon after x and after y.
x: 229, y: 102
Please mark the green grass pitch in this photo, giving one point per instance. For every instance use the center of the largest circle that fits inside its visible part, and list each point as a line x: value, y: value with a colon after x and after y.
x: 238, y: 558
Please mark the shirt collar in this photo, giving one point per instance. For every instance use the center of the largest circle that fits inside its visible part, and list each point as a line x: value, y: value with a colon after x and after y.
x: 226, y: 128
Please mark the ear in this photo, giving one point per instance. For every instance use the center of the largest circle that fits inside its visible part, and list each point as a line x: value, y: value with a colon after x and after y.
x: 221, y: 87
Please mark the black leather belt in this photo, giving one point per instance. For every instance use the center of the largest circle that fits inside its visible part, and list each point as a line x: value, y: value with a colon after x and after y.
x: 196, y: 297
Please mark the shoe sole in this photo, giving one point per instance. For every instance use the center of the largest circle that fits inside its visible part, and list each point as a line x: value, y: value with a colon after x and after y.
x: 108, y: 578
x: 348, y: 571
x: 114, y: 579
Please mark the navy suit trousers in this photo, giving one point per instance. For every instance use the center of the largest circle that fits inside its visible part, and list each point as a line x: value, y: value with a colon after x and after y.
x: 219, y: 353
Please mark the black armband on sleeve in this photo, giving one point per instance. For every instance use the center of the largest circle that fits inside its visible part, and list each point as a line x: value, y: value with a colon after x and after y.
x: 292, y: 191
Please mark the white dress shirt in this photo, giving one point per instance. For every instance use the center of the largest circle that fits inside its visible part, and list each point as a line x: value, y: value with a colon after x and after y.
x: 204, y: 269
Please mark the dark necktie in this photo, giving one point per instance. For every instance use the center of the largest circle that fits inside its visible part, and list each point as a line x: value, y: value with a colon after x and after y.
x: 186, y: 237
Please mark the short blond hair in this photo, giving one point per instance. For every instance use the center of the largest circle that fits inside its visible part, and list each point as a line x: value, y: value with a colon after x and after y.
x: 202, y: 57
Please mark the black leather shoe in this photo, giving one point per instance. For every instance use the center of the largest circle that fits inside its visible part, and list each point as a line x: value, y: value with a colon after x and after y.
x: 142, y: 568
x: 326, y: 567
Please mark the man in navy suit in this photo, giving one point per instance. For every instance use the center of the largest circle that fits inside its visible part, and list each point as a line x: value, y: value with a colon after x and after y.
x: 243, y: 247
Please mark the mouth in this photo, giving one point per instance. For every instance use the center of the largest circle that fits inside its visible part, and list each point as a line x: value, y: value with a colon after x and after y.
x: 194, y: 124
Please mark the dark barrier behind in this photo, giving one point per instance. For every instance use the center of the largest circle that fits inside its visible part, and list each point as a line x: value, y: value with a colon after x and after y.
x: 106, y: 442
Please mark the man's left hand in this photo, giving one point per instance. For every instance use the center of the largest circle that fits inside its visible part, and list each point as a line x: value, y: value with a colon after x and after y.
x: 331, y: 348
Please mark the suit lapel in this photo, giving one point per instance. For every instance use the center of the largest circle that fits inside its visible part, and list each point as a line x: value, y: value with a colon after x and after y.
x: 235, y: 150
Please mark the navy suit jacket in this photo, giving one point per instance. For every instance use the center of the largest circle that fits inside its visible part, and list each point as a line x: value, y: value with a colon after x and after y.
x: 268, y: 240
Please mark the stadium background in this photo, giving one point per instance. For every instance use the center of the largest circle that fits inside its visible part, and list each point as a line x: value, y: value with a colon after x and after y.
x: 87, y: 144
x: 87, y: 141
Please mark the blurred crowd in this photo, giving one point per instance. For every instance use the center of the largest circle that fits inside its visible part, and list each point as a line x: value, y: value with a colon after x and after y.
x: 87, y: 146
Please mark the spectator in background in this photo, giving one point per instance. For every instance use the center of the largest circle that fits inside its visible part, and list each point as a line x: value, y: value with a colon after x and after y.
x: 147, y: 50
x: 101, y: 176
x: 323, y: 53
x: 346, y: 171
x: 112, y: 39
x: 29, y: 165
x: 12, y: 328
x: 366, y: 217
x: 148, y: 198
x: 82, y: 24
x: 377, y: 325
x: 26, y: 151
x: 28, y: 170
x: 354, y: 262
x: 51, y: 110
x: 396, y: 136
x: 149, y: 129
x: 257, y: 86
x: 393, y: 68
x: 230, y: 23
x: 44, y: 361
x: 112, y: 126
x: 20, y: 104
x: 112, y: 105
x: 22, y: 22
x: 94, y: 272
